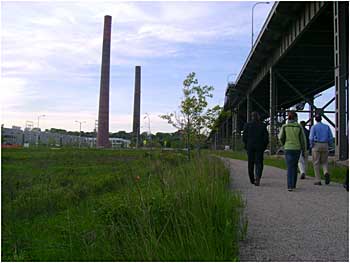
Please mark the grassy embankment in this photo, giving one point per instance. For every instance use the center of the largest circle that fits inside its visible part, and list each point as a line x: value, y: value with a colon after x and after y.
x: 337, y: 172
x: 104, y: 205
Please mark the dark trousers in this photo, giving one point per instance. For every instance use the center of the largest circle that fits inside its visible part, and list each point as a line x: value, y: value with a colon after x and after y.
x: 255, y: 159
x: 292, y: 158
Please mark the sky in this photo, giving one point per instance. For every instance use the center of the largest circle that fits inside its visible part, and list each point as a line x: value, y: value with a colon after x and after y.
x: 51, y: 58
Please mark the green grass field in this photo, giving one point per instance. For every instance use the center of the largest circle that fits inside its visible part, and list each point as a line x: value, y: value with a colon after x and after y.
x: 337, y: 172
x: 105, y: 205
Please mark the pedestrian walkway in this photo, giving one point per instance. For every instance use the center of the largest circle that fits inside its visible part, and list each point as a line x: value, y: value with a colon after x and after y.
x: 309, y: 224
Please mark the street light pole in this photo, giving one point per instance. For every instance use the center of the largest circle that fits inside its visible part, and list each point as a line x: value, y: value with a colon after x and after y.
x: 39, y: 119
x: 258, y: 3
x: 80, y: 122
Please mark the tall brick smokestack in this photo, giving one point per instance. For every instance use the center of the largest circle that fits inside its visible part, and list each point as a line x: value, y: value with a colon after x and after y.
x: 103, y: 111
x: 136, y: 123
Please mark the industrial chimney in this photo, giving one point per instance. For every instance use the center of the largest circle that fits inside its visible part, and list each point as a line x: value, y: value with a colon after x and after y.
x: 136, y: 123
x: 103, y: 112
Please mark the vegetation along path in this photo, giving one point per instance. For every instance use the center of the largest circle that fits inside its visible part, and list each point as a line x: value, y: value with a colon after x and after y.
x: 309, y: 224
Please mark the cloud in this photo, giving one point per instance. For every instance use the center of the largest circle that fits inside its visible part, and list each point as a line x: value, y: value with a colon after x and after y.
x: 172, y: 33
x: 47, y: 21
x: 51, y: 55
x: 77, y: 36
x: 126, y: 12
x: 12, y: 90
x: 15, y: 92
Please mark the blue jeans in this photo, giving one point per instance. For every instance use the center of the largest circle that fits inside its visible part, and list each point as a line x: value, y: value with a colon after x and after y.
x: 292, y: 158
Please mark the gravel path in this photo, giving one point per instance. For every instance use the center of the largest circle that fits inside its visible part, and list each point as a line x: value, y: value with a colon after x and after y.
x: 309, y: 224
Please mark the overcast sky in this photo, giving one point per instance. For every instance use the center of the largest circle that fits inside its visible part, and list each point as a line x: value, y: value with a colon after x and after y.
x: 51, y: 57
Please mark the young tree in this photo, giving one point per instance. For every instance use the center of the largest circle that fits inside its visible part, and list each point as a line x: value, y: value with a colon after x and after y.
x: 194, y: 118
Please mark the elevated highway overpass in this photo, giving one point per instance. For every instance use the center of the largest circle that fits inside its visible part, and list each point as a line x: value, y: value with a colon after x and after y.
x: 302, y: 50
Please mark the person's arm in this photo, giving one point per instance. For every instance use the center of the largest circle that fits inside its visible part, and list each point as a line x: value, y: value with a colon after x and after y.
x: 282, y: 135
x: 311, y: 137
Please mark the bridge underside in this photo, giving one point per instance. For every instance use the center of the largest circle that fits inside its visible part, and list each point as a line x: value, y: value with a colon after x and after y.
x: 301, y: 51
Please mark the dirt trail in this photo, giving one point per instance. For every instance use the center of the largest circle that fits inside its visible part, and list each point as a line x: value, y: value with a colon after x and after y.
x: 309, y: 224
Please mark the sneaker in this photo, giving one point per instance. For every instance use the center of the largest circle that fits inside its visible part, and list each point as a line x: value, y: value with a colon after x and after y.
x: 327, y: 178
x: 290, y: 189
x: 318, y: 183
x: 302, y: 176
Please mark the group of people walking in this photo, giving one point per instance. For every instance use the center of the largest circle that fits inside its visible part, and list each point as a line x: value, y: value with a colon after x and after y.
x: 297, y: 142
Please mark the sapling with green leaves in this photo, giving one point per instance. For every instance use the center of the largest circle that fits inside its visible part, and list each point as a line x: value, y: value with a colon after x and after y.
x: 194, y: 118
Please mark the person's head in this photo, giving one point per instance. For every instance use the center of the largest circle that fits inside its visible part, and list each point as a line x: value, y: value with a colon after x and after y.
x: 292, y: 115
x: 303, y: 123
x: 318, y: 117
x: 255, y: 116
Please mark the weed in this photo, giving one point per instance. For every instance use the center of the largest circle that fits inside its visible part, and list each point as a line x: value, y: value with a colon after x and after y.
x: 104, y: 205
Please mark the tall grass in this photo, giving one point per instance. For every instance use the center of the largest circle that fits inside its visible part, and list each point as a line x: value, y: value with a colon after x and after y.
x: 89, y: 205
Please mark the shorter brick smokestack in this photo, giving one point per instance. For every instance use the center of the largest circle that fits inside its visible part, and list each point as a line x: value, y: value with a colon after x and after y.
x: 137, y: 104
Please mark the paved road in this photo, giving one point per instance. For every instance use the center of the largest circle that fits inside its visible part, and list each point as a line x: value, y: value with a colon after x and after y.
x: 309, y: 224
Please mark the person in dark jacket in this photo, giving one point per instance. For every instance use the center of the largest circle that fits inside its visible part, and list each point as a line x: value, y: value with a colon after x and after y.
x: 255, y: 139
x: 303, y: 160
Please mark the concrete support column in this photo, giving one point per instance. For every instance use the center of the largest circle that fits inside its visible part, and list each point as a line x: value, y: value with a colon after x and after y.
x: 218, y: 137
x: 222, y: 137
x: 273, y: 102
x: 238, y: 131
x: 226, y: 140
x: 224, y: 132
x: 229, y: 133
x: 284, y: 115
x: 311, y: 112
x: 234, y: 129
x: 341, y: 74
x: 249, y: 107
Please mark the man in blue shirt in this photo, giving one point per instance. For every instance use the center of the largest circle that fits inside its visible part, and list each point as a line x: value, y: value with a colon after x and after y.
x: 320, y: 139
